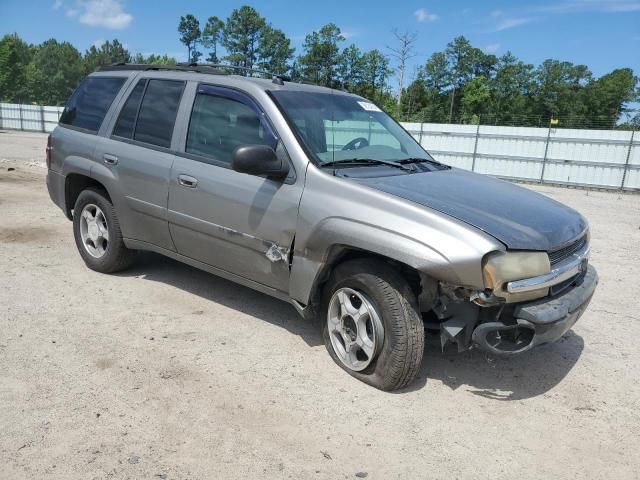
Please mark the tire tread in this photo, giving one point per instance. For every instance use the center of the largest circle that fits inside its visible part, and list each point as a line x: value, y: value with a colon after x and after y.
x: 121, y: 257
x: 405, y: 327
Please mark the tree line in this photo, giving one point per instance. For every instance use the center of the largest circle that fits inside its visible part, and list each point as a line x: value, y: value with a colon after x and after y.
x: 249, y: 41
x: 464, y: 84
x: 47, y: 73
x: 460, y: 84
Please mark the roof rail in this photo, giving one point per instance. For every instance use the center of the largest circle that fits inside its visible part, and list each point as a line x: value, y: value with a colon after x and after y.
x: 147, y: 66
x: 210, y: 68
x: 276, y: 77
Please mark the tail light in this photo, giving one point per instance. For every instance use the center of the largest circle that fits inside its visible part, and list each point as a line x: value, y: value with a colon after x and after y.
x: 49, y: 148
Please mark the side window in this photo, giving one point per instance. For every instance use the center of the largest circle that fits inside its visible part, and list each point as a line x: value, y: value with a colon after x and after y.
x: 88, y: 105
x: 219, y: 124
x: 127, y: 119
x: 153, y: 120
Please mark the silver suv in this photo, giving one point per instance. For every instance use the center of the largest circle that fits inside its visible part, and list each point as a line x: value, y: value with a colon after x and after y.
x: 316, y: 197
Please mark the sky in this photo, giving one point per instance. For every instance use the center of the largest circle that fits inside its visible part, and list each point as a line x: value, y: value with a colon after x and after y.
x: 602, y: 34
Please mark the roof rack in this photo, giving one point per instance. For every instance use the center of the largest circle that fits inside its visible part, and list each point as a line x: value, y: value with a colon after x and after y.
x: 210, y: 68
x: 181, y: 67
x: 276, y: 77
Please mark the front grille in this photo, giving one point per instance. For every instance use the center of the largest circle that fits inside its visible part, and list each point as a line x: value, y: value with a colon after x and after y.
x: 557, y: 256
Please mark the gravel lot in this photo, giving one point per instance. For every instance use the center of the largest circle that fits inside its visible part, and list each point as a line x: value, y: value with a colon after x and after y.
x: 168, y: 372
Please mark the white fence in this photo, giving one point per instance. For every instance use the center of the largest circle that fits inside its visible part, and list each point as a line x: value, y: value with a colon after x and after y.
x: 589, y: 158
x: 37, y: 118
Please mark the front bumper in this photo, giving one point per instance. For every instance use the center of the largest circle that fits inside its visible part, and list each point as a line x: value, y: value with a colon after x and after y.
x: 538, y: 322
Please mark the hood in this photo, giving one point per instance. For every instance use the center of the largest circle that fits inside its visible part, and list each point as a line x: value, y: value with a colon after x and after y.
x: 516, y: 216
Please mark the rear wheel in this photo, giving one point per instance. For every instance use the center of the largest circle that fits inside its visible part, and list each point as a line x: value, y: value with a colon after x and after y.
x: 372, y: 327
x: 97, y: 233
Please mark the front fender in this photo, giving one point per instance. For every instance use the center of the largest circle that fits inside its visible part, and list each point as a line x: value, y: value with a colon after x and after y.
x: 309, y: 262
x: 340, y: 212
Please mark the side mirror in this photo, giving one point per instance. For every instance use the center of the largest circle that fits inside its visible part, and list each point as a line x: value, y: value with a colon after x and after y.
x: 259, y: 160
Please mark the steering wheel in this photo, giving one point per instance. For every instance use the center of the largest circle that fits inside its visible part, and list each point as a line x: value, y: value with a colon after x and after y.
x: 356, y: 144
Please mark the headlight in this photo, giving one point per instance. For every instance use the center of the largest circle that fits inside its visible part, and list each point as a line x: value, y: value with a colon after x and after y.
x: 498, y: 268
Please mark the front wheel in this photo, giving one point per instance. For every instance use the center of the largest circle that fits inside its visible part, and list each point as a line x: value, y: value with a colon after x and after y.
x: 372, y: 326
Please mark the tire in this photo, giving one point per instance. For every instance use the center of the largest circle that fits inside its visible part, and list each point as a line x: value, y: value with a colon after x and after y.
x: 114, y: 256
x: 397, y: 361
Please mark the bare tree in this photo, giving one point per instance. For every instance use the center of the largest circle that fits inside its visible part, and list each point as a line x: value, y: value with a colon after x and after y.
x: 402, y: 53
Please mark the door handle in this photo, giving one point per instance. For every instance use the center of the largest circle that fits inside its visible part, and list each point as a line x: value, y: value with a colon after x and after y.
x: 110, y: 159
x: 187, y: 181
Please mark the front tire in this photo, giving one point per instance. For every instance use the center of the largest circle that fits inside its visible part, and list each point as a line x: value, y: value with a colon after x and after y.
x: 372, y: 326
x: 97, y: 233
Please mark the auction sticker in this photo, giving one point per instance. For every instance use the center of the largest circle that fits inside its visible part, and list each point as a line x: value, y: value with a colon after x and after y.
x: 369, y: 107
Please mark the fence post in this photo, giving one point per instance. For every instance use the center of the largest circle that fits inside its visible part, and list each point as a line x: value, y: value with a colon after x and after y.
x: 475, y: 147
x: 42, y: 118
x: 21, y: 123
x: 546, y: 151
x: 1, y: 118
x: 626, y: 163
x: 420, y: 136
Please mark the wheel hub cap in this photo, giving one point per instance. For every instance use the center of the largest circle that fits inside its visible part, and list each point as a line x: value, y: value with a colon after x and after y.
x: 94, y: 230
x: 355, y: 328
x: 94, y: 233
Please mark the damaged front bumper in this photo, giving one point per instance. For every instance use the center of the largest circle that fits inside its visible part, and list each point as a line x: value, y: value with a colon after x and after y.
x: 538, y: 322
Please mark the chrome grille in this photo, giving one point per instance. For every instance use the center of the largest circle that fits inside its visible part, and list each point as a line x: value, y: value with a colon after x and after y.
x: 557, y: 256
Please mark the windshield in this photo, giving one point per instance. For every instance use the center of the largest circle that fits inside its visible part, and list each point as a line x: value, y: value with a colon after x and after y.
x: 338, y: 127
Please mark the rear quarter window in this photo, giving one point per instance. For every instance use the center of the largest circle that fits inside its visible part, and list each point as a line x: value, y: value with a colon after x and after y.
x: 127, y: 119
x: 90, y: 102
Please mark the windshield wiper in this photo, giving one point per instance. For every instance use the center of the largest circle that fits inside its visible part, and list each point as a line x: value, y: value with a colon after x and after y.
x: 406, y: 161
x: 366, y: 161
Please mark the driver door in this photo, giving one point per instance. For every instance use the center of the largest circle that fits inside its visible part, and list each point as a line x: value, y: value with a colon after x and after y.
x: 239, y: 223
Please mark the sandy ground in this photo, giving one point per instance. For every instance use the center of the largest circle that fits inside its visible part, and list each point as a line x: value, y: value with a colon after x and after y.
x: 168, y: 372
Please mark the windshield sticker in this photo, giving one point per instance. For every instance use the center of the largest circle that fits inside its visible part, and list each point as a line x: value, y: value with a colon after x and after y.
x: 369, y: 107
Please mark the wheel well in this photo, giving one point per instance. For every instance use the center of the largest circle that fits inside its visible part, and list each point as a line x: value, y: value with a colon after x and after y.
x: 75, y: 183
x: 339, y: 254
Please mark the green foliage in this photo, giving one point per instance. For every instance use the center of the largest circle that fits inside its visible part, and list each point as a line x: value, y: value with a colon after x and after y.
x: 463, y: 84
x: 107, y: 54
x: 241, y: 36
x: 351, y: 68
x: 375, y: 73
x: 53, y: 73
x: 319, y: 63
x: 459, y: 84
x: 476, y: 97
x: 211, y: 36
x: 15, y: 56
x: 436, y: 72
x: 274, y: 51
x: 190, y: 34
x: 251, y: 42
x: 154, y: 59
x: 513, y: 86
x: 608, y: 95
x: 365, y: 74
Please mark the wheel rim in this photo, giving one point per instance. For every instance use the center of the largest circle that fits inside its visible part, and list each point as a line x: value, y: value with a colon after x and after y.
x: 355, y: 328
x: 94, y: 230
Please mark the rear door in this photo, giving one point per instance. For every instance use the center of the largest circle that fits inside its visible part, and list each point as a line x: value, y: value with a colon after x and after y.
x: 242, y: 224
x: 139, y: 154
